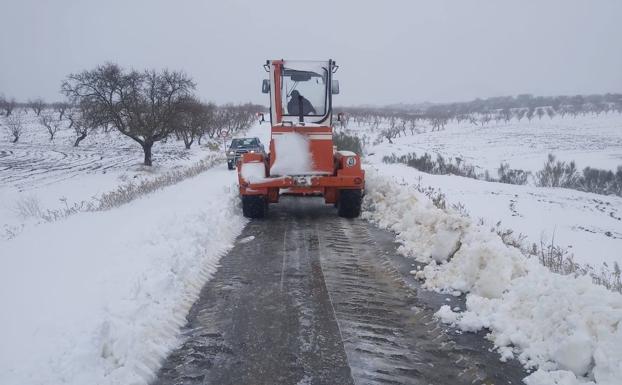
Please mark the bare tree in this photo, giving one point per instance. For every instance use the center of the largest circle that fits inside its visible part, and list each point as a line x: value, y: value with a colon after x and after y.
x: 520, y: 113
x: 140, y: 105
x: 193, y: 121
x: 389, y: 134
x: 506, y: 113
x: 438, y: 121
x: 402, y: 126
x: 412, y: 125
x: 230, y: 119
x: 15, y: 126
x: 81, y: 126
x: 61, y: 108
x: 484, y: 118
x: 51, y: 125
x: 550, y: 112
x: 207, y: 117
x: 71, y: 117
x: 345, y: 121
x: 8, y: 105
x: 37, y: 105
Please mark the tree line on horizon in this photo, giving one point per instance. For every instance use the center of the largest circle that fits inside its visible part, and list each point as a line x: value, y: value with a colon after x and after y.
x: 394, y: 121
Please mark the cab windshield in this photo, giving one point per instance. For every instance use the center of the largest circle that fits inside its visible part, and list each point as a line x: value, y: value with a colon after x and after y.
x: 244, y: 142
x: 304, y: 88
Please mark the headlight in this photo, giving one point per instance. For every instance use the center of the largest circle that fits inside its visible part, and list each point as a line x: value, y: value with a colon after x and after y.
x: 252, y: 151
x: 350, y: 161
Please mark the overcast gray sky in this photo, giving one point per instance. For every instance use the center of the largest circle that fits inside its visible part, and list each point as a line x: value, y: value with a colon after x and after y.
x: 389, y: 51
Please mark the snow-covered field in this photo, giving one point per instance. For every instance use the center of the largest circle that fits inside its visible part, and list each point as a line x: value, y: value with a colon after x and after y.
x: 589, y: 140
x: 39, y: 174
x: 588, y: 225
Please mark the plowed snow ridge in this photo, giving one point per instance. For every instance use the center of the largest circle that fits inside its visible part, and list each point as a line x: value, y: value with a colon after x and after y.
x: 566, y: 327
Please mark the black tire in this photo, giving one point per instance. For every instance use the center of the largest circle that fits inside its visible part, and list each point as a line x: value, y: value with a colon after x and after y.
x: 230, y: 165
x: 349, y: 203
x: 254, y: 206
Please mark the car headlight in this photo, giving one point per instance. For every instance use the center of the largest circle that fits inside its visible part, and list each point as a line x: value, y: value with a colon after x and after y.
x: 252, y: 151
x: 350, y: 161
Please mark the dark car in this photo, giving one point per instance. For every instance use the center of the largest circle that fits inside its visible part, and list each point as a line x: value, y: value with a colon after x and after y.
x: 241, y: 146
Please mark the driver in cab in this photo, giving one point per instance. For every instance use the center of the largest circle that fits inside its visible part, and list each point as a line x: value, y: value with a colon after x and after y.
x: 298, y: 101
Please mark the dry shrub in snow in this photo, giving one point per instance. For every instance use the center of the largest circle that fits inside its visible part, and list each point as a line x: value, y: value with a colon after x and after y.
x: 553, y: 174
x: 562, y: 174
x: 347, y: 142
x: 28, y: 207
x: 602, y: 181
x: 557, y: 174
x: 512, y: 176
x: 439, y: 166
x: 130, y: 191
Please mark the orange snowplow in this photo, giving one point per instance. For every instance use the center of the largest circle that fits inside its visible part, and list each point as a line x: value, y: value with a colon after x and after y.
x: 302, y: 159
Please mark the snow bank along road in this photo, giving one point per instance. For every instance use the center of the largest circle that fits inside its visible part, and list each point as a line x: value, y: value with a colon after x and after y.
x: 98, y: 298
x: 566, y: 327
x: 306, y: 297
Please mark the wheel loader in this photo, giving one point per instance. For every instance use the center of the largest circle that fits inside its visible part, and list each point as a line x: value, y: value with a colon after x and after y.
x: 302, y: 159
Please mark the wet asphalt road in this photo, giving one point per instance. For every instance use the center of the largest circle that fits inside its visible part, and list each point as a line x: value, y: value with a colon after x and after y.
x: 318, y: 299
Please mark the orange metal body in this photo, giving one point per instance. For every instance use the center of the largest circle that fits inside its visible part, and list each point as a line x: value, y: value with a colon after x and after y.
x: 328, y: 186
x: 332, y: 170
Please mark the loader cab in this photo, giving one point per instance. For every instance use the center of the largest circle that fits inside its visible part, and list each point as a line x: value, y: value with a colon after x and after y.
x: 300, y: 92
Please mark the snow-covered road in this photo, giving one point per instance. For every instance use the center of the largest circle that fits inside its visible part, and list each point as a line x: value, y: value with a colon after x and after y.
x: 306, y: 297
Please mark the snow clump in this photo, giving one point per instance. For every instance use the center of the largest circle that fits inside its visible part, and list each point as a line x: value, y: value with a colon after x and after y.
x: 292, y: 155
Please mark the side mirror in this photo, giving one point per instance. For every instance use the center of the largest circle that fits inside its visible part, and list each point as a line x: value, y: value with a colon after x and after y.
x: 340, y: 116
x: 261, y: 117
x: 334, y: 87
x: 265, y: 86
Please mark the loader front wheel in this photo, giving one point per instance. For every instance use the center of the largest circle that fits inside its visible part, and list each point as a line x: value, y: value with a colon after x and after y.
x: 349, y: 203
x: 254, y: 206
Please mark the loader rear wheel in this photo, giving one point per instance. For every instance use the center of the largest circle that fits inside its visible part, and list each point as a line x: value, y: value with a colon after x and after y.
x: 349, y: 203
x: 254, y: 206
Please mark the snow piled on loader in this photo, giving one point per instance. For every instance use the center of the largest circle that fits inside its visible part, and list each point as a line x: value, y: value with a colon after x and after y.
x: 100, y: 297
x: 293, y: 156
x: 566, y: 328
x: 253, y: 172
